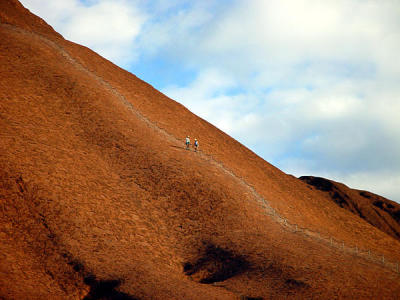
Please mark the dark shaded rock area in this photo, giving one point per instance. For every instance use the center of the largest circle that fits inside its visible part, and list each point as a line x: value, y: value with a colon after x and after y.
x: 215, y: 264
x: 105, y: 290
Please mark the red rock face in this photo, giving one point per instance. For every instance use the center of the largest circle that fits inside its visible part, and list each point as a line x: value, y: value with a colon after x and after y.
x: 378, y: 211
x: 100, y: 200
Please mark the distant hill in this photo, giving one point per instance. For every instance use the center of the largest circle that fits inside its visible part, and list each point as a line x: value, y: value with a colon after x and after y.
x: 380, y: 212
x: 100, y: 200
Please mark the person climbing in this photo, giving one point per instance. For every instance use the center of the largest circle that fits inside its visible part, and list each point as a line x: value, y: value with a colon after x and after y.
x: 187, y: 142
x: 196, y: 145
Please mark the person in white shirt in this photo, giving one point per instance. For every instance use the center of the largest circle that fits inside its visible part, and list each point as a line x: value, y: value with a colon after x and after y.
x: 187, y: 142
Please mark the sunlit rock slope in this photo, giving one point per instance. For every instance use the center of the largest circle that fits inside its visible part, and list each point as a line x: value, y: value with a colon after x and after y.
x: 100, y: 200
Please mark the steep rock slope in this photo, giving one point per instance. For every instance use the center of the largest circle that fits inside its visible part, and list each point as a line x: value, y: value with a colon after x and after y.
x: 99, y: 198
x: 376, y: 210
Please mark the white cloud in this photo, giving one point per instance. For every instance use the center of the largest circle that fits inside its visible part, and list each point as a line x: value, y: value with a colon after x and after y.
x: 386, y: 184
x: 54, y: 12
x: 109, y: 27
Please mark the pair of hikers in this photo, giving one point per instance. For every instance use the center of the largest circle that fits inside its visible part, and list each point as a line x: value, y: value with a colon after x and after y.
x: 187, y: 142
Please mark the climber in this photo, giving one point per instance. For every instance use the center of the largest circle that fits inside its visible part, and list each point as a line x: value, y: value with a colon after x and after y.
x: 187, y: 142
x: 196, y: 145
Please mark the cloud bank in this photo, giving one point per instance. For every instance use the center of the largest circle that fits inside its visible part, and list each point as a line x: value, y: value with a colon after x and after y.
x: 311, y: 86
x: 108, y: 27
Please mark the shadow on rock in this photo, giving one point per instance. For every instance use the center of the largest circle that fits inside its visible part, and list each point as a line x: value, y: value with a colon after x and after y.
x: 215, y: 265
x: 105, y: 290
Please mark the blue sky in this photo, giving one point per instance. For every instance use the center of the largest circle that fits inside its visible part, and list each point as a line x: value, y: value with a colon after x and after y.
x: 311, y: 86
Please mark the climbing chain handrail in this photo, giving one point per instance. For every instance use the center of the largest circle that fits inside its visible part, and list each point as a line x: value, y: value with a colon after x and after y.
x: 331, y: 241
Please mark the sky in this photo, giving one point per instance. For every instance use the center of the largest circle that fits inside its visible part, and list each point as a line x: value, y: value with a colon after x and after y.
x: 313, y: 87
